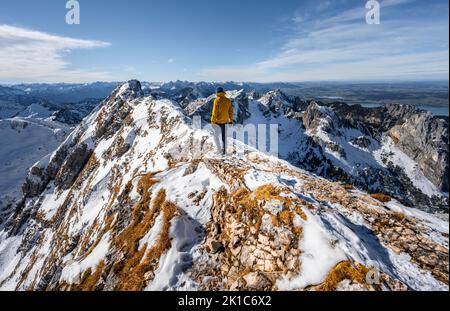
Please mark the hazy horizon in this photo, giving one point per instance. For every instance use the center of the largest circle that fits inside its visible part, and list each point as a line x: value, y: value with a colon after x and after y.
x: 231, y: 81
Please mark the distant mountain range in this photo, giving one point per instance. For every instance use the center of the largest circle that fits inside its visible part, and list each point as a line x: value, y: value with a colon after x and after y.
x: 68, y: 93
x: 429, y: 95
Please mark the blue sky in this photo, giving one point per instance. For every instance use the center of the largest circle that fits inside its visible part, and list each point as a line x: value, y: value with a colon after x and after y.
x: 249, y: 40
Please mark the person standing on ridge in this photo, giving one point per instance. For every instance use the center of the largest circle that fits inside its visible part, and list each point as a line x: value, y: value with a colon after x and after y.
x: 222, y: 114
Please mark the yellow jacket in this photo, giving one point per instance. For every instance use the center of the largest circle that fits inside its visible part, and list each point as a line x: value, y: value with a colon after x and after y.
x: 222, y: 112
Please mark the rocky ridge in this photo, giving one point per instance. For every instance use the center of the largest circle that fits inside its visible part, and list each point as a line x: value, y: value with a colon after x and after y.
x: 126, y: 203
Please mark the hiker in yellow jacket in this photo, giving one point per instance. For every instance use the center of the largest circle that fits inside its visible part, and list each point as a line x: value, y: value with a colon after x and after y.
x: 222, y: 114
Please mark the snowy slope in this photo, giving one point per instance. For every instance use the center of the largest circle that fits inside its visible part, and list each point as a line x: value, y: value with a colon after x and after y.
x: 135, y: 199
x: 31, y: 129
x: 389, y: 151
x: 12, y: 101
x: 24, y: 141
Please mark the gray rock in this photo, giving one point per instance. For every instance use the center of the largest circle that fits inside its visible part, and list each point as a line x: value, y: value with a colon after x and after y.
x: 257, y: 281
x: 215, y: 247
x: 72, y: 166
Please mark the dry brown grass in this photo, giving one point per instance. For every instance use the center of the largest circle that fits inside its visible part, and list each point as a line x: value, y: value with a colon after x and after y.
x: 88, y: 236
x: 398, y: 216
x: 394, y: 136
x: 143, y: 218
x: 267, y: 192
x: 310, y: 206
x: 275, y: 221
x: 128, y: 121
x: 89, y: 279
x: 286, y: 217
x: 100, y: 119
x: 114, y: 147
x: 248, y: 205
x: 88, y: 243
x: 137, y: 262
x: 41, y: 217
x: 27, y: 270
x: 88, y: 168
x: 348, y: 186
x: 383, y: 198
x: 300, y: 212
x: 127, y: 242
x: 230, y: 174
x: 199, y: 198
x: 192, y: 194
x: 169, y: 210
x: 342, y: 271
x: 136, y: 269
x: 297, y: 231
x: 143, y: 188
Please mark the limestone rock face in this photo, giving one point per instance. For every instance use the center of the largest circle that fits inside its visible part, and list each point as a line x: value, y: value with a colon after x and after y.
x: 72, y: 166
x: 357, y: 135
x: 424, y: 138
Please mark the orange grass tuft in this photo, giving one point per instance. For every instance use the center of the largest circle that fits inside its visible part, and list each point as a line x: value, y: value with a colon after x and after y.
x: 342, y: 271
x: 381, y: 197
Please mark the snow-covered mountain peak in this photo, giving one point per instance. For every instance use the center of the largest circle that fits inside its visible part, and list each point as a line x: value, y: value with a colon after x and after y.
x: 320, y: 118
x: 130, y: 89
x: 274, y: 98
x: 136, y: 198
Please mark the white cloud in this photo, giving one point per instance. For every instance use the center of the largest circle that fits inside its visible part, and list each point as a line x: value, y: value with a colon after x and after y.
x: 342, y: 49
x: 29, y: 55
x: 359, y: 12
x: 387, y: 3
x: 170, y: 60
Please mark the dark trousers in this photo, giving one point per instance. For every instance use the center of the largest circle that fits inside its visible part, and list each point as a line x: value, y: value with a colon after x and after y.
x: 222, y: 128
